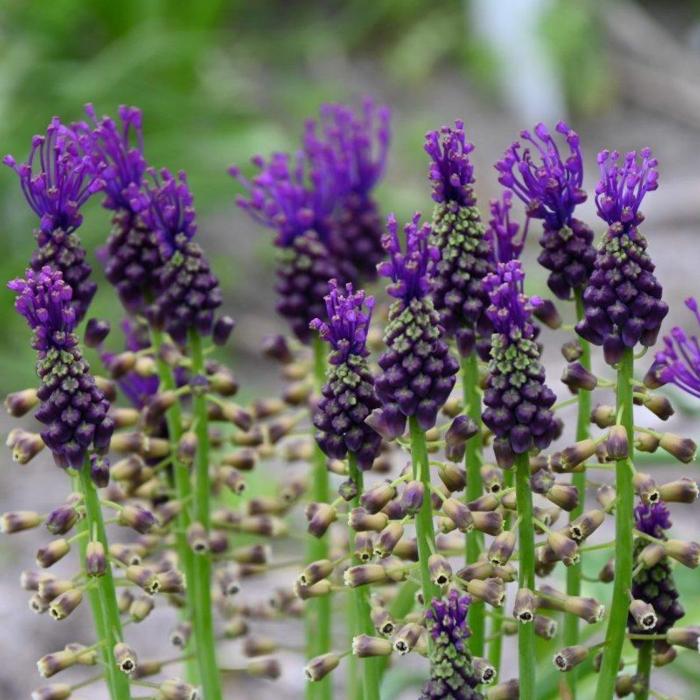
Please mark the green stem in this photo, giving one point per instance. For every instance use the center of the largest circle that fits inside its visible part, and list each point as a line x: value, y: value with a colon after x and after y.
x: 425, y: 532
x: 183, y: 490
x: 318, y: 610
x: 644, y: 656
x: 497, y: 615
x: 103, y: 596
x: 624, y: 519
x: 573, y: 573
x: 203, y: 623
x: 361, y: 621
x: 472, y: 465
x: 526, y: 574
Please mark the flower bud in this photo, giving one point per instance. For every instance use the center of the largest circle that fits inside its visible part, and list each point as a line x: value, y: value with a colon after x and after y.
x: 175, y: 689
x: 604, y: 416
x: 458, y: 513
x: 65, y: 604
x: 143, y: 577
x: 646, y: 442
x: 243, y: 460
x: 51, y: 664
x: 297, y: 393
x: 374, y: 499
x: 264, y: 668
x: 489, y: 522
x: 119, y: 365
x: 365, y: 646
x: 569, y: 657
x: 320, y: 666
x: 617, y: 444
x: 683, y: 449
x: 688, y: 637
x: 483, y: 670
x: 563, y: 495
x: 606, y: 496
x: 364, y: 574
x: 317, y: 590
x: 510, y: 690
x: 24, y: 445
x: 187, y: 447
x: 571, y: 350
x: 587, y: 609
x: 56, y: 691
x: 19, y: 520
x: 644, y: 614
x: 51, y: 553
x: 407, y: 637
x: 501, y: 549
x: 491, y: 478
x: 577, y: 377
x: 320, y: 517
x: 141, y: 608
x: 276, y: 348
x: 545, y: 627
x: 565, y: 549
x: 95, y: 559
x: 197, y: 538
x: 659, y: 405
x: 453, y: 477
x: 585, y: 525
x: 235, y: 627
x: 137, y: 518
x: 382, y: 621
x: 171, y: 581
x: 387, y: 539
x: 665, y: 657
x: 412, y: 497
x: 316, y: 571
x: 525, y: 605
x: 687, y: 553
x: 125, y: 658
x: 577, y: 453
x: 491, y: 590
x: 461, y: 429
x: 21, y: 402
x: 363, y: 546
x: 651, y: 555
x: 478, y: 570
x: 683, y: 490
x: 361, y: 521
x: 259, y: 646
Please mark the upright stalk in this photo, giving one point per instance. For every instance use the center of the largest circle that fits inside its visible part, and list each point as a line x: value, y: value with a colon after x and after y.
x: 102, y: 592
x: 472, y: 465
x: 425, y: 532
x: 203, y: 623
x: 644, y: 657
x: 183, y: 490
x: 318, y: 610
x: 361, y: 620
x: 624, y: 518
x: 496, y: 643
x: 526, y: 574
x: 573, y: 573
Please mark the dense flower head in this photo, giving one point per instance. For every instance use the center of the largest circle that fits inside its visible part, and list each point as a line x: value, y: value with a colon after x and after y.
x: 44, y: 299
x: 409, y: 271
x: 292, y: 194
x: 511, y: 310
x: 448, y: 616
x: 652, y: 518
x: 359, y: 140
x: 348, y: 322
x: 116, y: 153
x: 552, y: 187
x: 502, y: 232
x: 679, y: 361
x: 451, y: 170
x: 169, y: 210
x: 56, y: 180
x: 623, y: 185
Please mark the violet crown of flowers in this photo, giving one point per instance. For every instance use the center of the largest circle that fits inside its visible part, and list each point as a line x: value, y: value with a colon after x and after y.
x: 551, y: 187
x: 652, y: 518
x: 169, y: 210
x: 448, y: 616
x: 348, y: 321
x: 358, y: 139
x: 511, y: 310
x: 502, y: 233
x: 409, y: 271
x: 292, y: 195
x: 44, y: 299
x: 451, y: 171
x: 679, y: 361
x: 116, y: 152
x: 623, y: 185
x: 56, y: 180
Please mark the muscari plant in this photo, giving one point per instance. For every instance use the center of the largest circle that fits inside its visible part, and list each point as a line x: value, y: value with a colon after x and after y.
x: 422, y: 441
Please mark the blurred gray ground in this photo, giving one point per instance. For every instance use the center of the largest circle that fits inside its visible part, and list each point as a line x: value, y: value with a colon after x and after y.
x: 672, y: 214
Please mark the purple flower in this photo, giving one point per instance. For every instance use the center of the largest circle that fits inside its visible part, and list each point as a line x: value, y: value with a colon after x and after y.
x: 502, y: 233
x: 510, y: 310
x: 448, y: 617
x: 73, y: 409
x: 679, y: 361
x: 652, y: 519
x: 409, y: 271
x: 116, y: 153
x: 56, y: 180
x: 451, y: 170
x: 552, y: 187
x: 622, y: 187
x: 44, y: 299
x: 348, y: 323
x: 169, y: 210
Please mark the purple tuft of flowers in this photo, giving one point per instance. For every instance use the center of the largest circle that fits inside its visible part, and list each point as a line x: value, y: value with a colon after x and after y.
x: 409, y: 271
x: 451, y: 170
x: 679, y: 361
x: 348, y: 322
x: 551, y: 187
x: 502, y: 233
x: 652, y: 518
x: 510, y: 310
x: 623, y: 185
x: 448, y: 616
x: 55, y: 179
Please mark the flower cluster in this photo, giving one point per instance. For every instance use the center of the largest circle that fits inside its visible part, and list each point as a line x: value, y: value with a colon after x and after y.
x: 347, y: 397
x: 72, y: 407
x: 502, y: 232
x: 458, y: 233
x: 417, y: 368
x: 56, y: 182
x: 551, y: 188
x: 622, y: 299
x: 518, y: 402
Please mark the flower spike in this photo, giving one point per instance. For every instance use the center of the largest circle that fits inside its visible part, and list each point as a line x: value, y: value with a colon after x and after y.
x: 502, y: 232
